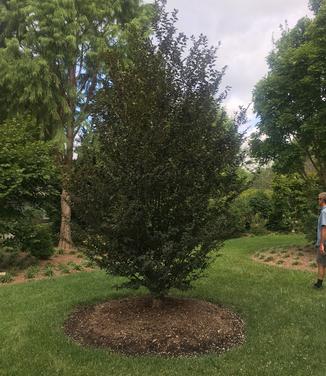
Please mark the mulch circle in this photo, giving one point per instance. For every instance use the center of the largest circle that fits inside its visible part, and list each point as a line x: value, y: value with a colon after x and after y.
x: 133, y: 326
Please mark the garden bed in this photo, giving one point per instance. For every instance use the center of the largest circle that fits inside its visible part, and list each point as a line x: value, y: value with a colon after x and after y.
x: 293, y: 257
x: 61, y: 263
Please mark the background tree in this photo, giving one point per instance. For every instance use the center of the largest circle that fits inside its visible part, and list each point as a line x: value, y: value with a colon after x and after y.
x: 289, y: 203
x: 29, y: 182
x: 291, y: 105
x: 291, y: 100
x: 315, y: 5
x: 250, y: 212
x: 263, y: 178
x: 162, y: 149
x: 50, y: 64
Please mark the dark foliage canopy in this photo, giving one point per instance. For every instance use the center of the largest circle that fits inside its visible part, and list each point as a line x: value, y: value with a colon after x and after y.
x: 153, y: 181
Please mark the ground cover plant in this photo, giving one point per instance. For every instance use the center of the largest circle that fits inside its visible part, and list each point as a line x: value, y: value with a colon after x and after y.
x: 282, y: 313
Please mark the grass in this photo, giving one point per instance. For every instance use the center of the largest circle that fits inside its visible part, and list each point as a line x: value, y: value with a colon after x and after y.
x: 283, y: 316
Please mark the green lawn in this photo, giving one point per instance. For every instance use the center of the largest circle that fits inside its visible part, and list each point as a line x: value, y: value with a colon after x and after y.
x: 285, y: 322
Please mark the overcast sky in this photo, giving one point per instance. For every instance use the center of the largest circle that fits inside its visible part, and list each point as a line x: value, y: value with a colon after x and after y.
x: 245, y: 29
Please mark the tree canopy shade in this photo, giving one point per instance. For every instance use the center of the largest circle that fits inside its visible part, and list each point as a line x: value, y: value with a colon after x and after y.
x: 162, y: 149
x: 27, y: 173
x: 291, y: 100
x: 50, y: 66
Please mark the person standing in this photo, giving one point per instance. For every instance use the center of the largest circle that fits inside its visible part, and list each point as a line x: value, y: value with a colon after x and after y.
x: 321, y: 241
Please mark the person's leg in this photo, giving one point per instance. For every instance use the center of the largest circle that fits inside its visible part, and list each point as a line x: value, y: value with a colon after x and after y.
x: 321, y: 275
x: 321, y: 271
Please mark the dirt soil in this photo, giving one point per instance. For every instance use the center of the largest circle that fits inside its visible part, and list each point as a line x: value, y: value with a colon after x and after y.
x: 61, y: 264
x: 178, y: 327
x: 299, y: 258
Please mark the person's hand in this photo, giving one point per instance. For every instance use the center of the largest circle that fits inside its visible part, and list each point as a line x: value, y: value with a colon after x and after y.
x: 322, y: 248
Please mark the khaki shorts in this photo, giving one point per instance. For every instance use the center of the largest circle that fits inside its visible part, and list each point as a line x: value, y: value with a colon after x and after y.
x: 321, y: 259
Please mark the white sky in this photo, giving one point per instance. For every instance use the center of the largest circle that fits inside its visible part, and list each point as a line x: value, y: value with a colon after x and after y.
x: 245, y: 29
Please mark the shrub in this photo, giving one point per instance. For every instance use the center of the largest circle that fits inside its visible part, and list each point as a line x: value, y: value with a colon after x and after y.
x: 8, y: 258
x: 250, y: 212
x: 294, y: 205
x: 12, y: 259
x: 154, y: 191
x: 39, y: 242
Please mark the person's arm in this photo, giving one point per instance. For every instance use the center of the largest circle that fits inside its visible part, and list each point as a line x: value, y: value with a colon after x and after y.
x: 322, y: 239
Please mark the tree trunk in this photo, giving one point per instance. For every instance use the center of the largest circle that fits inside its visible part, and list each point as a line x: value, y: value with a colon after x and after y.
x: 65, y: 241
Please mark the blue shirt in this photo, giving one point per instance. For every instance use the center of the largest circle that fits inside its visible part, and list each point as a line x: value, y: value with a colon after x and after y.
x: 321, y: 223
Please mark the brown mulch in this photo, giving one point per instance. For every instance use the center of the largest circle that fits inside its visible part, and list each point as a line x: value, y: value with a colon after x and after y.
x: 134, y: 326
x: 295, y: 257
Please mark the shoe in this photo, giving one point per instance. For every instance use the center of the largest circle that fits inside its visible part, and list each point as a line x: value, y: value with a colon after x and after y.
x: 317, y: 286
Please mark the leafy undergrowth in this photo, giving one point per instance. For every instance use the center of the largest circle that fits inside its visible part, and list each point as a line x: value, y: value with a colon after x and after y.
x: 282, y: 314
